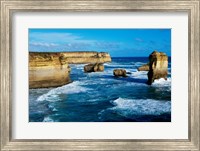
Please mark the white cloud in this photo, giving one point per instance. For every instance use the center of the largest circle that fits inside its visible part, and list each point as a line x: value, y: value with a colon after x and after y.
x: 43, y: 44
x: 39, y: 41
x: 57, y: 37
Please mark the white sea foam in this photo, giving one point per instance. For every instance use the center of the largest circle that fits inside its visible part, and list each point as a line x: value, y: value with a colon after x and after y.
x: 131, y: 107
x: 139, y: 74
x: 118, y: 65
x: 99, y: 81
x: 48, y: 119
x: 162, y: 82
x: 135, y: 84
x: 131, y: 70
x: 53, y: 94
x: 139, y: 63
x: 77, y: 67
x: 52, y: 107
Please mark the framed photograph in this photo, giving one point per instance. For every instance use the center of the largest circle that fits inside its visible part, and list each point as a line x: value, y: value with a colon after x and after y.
x: 99, y: 75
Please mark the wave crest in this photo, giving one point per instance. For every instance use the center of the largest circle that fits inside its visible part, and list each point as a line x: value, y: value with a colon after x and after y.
x: 132, y: 107
x: 48, y: 119
x: 53, y: 94
x: 162, y: 82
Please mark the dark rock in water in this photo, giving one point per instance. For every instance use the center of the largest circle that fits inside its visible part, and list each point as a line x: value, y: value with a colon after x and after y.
x: 97, y: 67
x: 158, y: 65
x: 144, y: 67
x: 119, y: 73
x: 89, y: 68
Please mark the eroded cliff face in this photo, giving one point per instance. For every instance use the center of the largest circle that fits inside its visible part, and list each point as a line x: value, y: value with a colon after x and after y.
x: 158, y: 65
x: 52, y: 69
x: 47, y: 70
x: 85, y: 57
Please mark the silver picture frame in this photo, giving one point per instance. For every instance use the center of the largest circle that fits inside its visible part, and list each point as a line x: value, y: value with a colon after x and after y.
x: 9, y: 7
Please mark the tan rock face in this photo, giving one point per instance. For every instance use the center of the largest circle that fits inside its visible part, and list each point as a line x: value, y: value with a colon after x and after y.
x: 85, y: 57
x: 98, y: 67
x: 52, y: 69
x: 144, y: 68
x: 158, y: 65
x: 119, y: 73
x: 47, y: 70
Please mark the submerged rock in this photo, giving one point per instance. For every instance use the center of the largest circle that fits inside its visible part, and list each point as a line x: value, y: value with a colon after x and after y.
x: 158, y: 65
x: 97, y: 67
x: 144, y: 67
x: 119, y: 73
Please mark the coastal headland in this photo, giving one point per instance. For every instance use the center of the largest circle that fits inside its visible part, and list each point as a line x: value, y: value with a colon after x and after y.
x: 85, y: 57
x: 47, y: 69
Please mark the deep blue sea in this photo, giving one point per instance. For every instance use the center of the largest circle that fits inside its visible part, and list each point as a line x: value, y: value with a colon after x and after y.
x: 101, y: 97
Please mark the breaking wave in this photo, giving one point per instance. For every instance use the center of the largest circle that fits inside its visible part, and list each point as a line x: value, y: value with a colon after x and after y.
x: 53, y: 94
x: 139, y: 74
x: 130, y: 108
x: 162, y: 83
x: 48, y: 119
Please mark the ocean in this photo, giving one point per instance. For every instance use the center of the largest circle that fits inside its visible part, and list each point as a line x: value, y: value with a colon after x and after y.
x: 101, y: 97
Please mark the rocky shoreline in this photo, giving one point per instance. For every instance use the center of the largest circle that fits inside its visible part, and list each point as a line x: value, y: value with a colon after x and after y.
x: 52, y: 69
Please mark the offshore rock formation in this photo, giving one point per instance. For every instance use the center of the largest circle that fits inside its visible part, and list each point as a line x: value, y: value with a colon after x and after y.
x: 97, y: 67
x: 158, y: 65
x: 85, y: 57
x: 47, y: 70
x: 144, y: 67
x: 119, y: 73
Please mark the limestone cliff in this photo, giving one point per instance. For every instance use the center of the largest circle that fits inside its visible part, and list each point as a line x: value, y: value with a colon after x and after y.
x: 47, y: 70
x: 158, y: 65
x: 85, y: 57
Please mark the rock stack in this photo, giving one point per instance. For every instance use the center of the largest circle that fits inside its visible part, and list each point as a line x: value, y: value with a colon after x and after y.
x: 97, y: 67
x: 158, y: 65
x: 119, y: 73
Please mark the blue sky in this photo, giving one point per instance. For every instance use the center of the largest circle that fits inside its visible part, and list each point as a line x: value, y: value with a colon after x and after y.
x: 117, y: 42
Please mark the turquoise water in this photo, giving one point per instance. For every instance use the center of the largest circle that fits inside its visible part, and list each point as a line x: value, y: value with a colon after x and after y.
x: 101, y: 97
